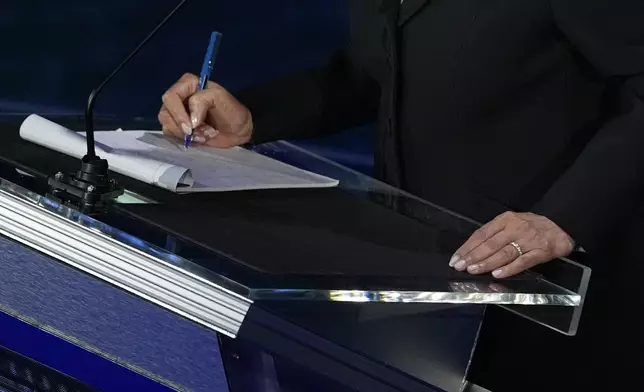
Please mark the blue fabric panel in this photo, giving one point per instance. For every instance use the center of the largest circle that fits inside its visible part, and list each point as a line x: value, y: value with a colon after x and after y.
x: 71, y: 360
x: 132, y: 330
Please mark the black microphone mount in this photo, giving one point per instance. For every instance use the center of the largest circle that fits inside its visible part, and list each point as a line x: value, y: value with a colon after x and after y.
x: 90, y: 189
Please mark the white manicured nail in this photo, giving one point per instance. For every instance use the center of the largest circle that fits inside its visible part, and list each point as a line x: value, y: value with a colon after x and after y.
x: 210, y: 132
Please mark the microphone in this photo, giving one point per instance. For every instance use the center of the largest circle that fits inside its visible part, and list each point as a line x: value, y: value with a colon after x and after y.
x: 90, y: 189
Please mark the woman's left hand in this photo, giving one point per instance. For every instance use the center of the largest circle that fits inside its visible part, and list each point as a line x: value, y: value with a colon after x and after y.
x: 512, y: 243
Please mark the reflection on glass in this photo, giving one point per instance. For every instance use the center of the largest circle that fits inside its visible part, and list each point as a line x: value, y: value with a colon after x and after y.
x: 129, y: 197
x: 460, y: 293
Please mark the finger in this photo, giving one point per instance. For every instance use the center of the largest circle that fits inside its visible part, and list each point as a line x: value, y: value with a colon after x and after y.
x: 522, y: 263
x: 174, y: 100
x: 486, y: 249
x: 224, y: 140
x: 168, y: 124
x: 209, y: 136
x: 204, y: 133
x: 477, y: 238
x: 502, y: 257
x: 211, y: 99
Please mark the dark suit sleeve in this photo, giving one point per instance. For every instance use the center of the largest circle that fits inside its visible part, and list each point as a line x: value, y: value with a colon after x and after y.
x: 606, y: 182
x: 312, y: 102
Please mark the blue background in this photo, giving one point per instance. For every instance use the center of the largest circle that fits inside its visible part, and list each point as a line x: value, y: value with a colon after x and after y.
x: 59, y: 50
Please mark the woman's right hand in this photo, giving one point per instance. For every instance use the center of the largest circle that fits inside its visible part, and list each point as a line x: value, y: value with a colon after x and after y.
x: 219, y: 120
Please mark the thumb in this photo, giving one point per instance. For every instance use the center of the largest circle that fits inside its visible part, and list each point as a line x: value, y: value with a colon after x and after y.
x: 199, y: 104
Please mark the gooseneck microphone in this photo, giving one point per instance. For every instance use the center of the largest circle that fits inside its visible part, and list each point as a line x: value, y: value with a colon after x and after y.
x: 89, y: 111
x: 90, y: 189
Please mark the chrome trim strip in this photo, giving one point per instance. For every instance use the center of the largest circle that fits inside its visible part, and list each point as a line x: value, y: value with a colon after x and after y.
x: 146, y: 276
x: 564, y: 298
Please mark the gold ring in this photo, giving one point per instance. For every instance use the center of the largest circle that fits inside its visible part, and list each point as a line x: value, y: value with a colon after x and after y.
x: 517, y: 247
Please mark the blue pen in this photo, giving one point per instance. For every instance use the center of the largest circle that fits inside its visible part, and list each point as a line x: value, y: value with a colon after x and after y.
x: 206, y: 71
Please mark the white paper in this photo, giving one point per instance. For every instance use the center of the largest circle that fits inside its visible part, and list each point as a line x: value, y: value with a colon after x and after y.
x: 150, y: 157
x: 138, y: 166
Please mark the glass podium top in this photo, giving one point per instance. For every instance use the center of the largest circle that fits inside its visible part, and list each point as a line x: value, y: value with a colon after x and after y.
x: 208, y: 257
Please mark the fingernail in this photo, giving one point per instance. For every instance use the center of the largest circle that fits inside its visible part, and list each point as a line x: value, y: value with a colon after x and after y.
x: 497, y: 273
x: 460, y: 266
x: 453, y: 260
x: 186, y: 129
x: 473, y: 268
x: 210, y: 132
x: 194, y: 120
x: 199, y: 139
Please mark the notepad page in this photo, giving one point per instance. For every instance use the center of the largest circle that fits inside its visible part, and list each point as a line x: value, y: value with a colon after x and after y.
x: 214, y: 169
x: 48, y: 134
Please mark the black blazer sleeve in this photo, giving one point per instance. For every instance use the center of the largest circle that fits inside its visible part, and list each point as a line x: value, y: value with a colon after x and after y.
x: 606, y: 181
x: 312, y: 102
